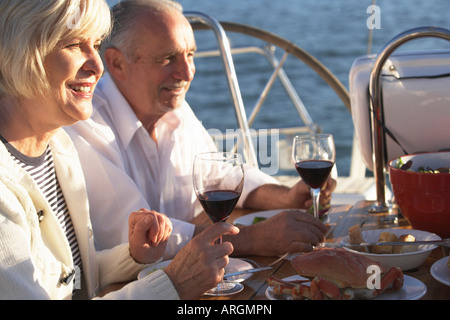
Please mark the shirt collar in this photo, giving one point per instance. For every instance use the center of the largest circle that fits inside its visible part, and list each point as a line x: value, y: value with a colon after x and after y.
x: 124, y: 118
x: 125, y: 121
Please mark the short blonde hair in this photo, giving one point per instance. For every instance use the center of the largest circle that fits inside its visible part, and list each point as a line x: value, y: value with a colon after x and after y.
x: 30, y: 30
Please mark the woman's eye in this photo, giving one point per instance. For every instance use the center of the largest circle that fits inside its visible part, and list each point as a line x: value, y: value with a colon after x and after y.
x: 74, y: 45
x: 79, y: 44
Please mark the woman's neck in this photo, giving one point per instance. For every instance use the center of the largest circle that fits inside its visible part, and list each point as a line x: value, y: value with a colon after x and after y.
x: 20, y: 129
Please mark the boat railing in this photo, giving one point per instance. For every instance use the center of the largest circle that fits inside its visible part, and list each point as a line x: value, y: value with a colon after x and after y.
x: 268, y: 52
x: 376, y: 106
x: 225, y: 52
x: 268, y: 49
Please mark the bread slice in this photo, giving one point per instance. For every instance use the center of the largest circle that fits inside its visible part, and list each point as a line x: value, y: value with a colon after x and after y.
x: 355, y: 237
x: 385, y: 236
x: 405, y: 248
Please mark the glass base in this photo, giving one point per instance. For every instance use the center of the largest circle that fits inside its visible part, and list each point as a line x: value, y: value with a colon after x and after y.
x: 225, y: 288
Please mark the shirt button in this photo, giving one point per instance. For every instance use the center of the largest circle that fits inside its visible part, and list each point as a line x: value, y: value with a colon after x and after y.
x: 40, y: 215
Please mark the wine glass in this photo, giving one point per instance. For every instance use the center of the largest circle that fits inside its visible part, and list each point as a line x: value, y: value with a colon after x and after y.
x: 218, y: 181
x: 314, y: 157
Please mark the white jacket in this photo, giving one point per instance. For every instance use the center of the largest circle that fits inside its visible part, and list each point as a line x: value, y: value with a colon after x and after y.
x: 35, y: 256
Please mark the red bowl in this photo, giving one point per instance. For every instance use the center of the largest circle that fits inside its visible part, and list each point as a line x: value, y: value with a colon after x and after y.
x: 423, y: 198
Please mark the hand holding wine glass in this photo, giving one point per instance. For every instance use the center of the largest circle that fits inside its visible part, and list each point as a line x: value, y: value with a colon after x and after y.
x: 218, y: 182
x: 314, y: 157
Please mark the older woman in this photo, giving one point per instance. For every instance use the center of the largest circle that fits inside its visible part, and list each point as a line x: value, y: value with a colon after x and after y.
x: 49, y: 67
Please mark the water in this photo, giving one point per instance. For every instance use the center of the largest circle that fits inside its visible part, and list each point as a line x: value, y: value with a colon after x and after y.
x: 335, y: 32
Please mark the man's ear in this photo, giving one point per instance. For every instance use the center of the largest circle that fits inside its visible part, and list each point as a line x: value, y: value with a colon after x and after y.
x: 116, y: 63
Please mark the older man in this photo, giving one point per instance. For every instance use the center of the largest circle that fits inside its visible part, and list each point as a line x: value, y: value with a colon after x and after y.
x: 142, y: 126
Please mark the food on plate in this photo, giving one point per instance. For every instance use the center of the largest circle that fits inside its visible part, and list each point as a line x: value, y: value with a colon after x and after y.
x: 323, y: 209
x: 154, y: 270
x: 405, y: 248
x: 258, y: 219
x: 430, y: 170
x: 385, y: 237
x: 421, y: 169
x: 356, y: 237
x: 337, y: 274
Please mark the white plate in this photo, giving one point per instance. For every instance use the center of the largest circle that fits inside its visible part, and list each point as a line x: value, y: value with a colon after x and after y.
x: 247, y: 220
x: 271, y: 296
x: 154, y: 267
x: 234, y: 265
x: 412, y: 289
x: 405, y: 261
x: 440, y: 271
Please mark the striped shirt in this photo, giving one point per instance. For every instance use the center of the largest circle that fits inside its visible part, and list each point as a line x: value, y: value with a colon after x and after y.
x: 43, y: 172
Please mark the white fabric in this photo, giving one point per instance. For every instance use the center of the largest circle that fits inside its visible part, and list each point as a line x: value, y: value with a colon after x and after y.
x: 35, y: 256
x: 162, y: 172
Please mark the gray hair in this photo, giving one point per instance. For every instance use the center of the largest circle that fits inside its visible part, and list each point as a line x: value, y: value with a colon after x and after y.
x: 126, y: 14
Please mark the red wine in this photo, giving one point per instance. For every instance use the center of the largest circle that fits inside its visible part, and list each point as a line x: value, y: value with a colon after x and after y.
x: 314, y: 172
x: 218, y: 204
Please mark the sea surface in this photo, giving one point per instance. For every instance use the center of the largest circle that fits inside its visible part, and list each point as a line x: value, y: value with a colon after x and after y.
x: 336, y: 32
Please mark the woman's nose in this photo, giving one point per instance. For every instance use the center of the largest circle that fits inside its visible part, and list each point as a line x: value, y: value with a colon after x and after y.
x: 93, y: 63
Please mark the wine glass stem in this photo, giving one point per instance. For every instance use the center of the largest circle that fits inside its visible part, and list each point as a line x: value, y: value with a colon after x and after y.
x: 221, y: 285
x: 315, y: 194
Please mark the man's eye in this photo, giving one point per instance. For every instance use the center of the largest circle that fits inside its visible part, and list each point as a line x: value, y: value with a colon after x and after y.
x: 163, y: 61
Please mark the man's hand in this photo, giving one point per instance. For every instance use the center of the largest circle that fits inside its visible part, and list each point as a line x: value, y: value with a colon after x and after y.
x: 200, y: 265
x: 273, y: 196
x: 288, y: 231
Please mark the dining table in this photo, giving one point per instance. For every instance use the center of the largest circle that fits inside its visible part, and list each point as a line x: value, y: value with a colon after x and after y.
x: 338, y: 220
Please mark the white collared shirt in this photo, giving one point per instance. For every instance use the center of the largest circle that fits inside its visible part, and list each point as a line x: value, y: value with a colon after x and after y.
x: 162, y: 172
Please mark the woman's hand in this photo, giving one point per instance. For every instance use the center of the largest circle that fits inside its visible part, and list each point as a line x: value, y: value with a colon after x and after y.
x: 148, y: 232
